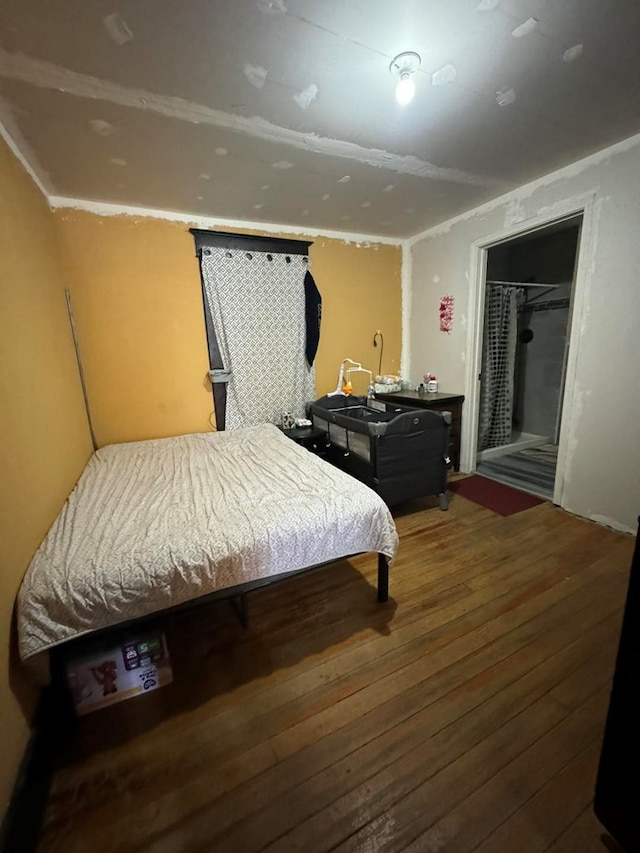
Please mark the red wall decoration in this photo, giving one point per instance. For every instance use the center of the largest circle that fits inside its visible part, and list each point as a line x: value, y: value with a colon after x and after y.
x: 446, y: 313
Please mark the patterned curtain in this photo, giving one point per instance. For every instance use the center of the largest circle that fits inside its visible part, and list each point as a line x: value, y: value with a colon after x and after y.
x: 257, y: 305
x: 498, y: 366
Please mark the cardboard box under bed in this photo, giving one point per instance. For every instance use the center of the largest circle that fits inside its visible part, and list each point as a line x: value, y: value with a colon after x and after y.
x: 106, y: 671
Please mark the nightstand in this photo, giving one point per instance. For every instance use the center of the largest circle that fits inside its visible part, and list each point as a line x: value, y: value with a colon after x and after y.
x: 314, y: 440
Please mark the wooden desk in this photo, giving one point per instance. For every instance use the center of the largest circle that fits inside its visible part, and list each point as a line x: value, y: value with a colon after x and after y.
x: 440, y: 402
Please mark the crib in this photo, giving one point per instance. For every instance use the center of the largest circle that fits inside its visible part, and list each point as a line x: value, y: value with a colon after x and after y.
x: 399, y: 452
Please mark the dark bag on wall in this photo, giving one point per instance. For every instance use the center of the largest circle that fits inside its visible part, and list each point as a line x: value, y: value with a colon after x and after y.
x: 313, y: 316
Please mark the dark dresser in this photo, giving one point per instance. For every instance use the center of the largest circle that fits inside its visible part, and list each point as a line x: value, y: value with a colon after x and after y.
x: 439, y: 402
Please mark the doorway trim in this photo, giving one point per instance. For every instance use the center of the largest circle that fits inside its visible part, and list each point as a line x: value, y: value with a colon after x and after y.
x: 584, y: 206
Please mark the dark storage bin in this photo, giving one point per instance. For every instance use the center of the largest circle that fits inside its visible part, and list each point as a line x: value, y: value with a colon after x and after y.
x: 400, y: 452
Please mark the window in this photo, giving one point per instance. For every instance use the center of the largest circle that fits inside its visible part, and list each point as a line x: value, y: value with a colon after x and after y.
x: 259, y: 300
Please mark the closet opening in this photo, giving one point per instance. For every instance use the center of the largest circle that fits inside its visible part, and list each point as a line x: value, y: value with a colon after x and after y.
x: 526, y: 330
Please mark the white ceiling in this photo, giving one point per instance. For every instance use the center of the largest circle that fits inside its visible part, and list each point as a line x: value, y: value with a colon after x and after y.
x: 283, y: 111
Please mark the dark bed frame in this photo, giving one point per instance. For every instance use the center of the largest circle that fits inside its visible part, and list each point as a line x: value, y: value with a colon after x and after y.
x: 236, y: 595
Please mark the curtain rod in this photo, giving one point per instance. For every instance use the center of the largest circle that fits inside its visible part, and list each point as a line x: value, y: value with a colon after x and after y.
x: 248, y: 242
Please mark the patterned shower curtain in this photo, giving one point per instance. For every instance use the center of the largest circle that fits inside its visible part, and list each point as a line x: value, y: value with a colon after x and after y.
x: 498, y: 366
x: 257, y: 305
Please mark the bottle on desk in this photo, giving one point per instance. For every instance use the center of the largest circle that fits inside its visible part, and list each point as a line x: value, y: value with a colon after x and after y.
x: 430, y: 383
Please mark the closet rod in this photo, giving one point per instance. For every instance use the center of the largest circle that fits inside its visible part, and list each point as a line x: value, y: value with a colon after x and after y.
x: 548, y: 305
x: 523, y: 284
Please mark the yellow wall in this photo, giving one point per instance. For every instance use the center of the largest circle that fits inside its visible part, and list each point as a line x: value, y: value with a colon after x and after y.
x: 136, y: 297
x: 138, y: 306
x: 44, y: 439
x: 361, y: 292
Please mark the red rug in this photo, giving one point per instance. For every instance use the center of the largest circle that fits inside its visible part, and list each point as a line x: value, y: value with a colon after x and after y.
x: 494, y: 496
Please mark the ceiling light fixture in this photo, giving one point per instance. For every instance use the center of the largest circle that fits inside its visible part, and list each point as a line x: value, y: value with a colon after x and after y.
x: 404, y: 66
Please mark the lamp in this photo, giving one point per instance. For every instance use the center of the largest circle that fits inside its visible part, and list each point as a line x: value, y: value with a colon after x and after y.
x: 404, y: 66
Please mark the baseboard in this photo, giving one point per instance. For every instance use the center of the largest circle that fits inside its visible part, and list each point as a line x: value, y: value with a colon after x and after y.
x: 22, y: 823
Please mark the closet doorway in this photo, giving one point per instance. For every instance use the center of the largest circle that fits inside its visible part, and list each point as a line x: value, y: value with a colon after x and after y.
x: 525, y: 343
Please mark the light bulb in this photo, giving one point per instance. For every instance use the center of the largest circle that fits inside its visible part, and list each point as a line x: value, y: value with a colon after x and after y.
x: 406, y: 89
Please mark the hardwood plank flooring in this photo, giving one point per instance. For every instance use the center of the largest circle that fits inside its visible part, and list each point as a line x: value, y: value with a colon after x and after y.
x: 464, y: 715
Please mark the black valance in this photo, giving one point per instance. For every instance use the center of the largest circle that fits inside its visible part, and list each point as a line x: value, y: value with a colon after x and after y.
x: 248, y: 242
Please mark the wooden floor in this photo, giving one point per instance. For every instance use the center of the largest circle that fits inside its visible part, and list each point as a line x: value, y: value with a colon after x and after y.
x: 464, y: 715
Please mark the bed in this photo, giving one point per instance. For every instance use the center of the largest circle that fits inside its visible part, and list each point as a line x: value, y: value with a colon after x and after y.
x: 154, y: 524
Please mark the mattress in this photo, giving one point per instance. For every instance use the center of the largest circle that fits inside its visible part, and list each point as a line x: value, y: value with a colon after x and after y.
x: 154, y: 524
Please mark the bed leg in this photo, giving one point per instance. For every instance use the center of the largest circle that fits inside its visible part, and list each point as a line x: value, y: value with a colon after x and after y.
x: 240, y: 605
x: 444, y: 501
x: 244, y: 610
x: 383, y: 578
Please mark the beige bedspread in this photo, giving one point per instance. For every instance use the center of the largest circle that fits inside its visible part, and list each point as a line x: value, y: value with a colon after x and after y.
x: 153, y: 524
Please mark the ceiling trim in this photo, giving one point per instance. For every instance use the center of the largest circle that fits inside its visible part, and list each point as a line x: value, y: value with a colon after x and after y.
x: 564, y: 173
x: 16, y: 150
x: 103, y: 208
x: 47, y: 75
